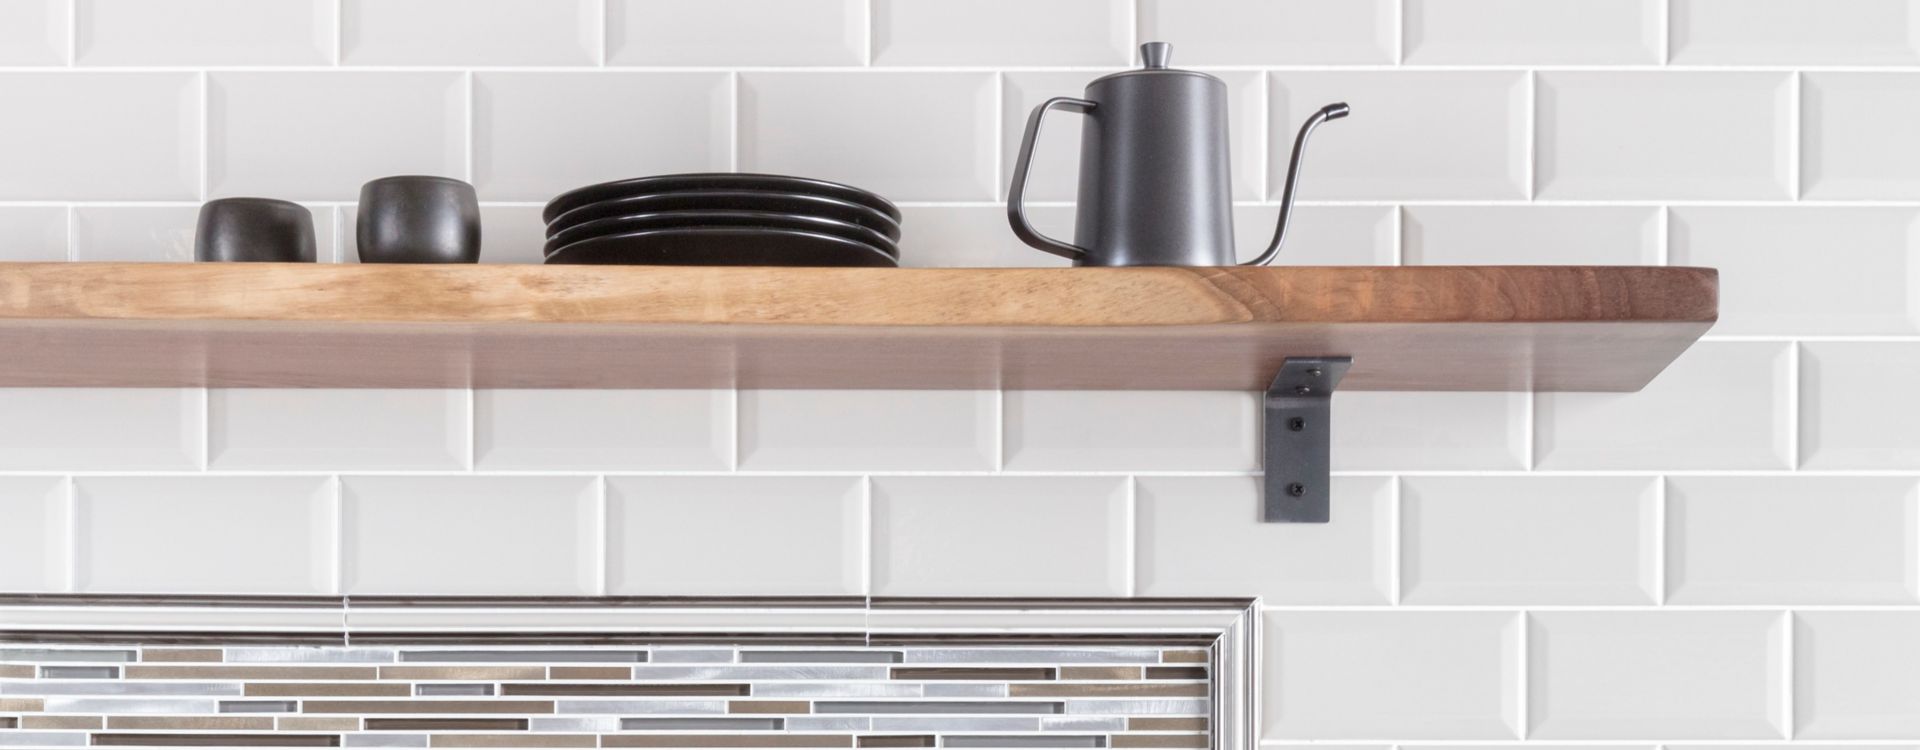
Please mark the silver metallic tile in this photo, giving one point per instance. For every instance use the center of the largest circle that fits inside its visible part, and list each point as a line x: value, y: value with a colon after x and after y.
x: 130, y: 706
x: 441, y: 689
x: 79, y: 673
x: 836, y: 690
x: 589, y: 724
x: 640, y: 707
x: 1139, y: 707
x: 820, y: 657
x: 691, y: 656
x: 964, y: 690
x: 759, y: 673
x: 65, y: 654
x: 384, y: 740
x: 1024, y: 741
x: 829, y: 724
x: 42, y: 739
x: 1083, y: 724
x: 935, y: 707
x: 730, y: 724
x: 1032, y: 656
x: 312, y: 654
x: 120, y: 688
x: 570, y: 656
x: 955, y: 724
x: 259, y: 707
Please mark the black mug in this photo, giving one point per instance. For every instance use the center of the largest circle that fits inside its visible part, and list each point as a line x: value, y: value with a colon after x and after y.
x: 253, y: 230
x: 417, y: 219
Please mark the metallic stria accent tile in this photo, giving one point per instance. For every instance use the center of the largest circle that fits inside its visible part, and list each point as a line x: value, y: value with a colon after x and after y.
x: 515, y: 740
x: 726, y: 740
x: 463, y: 673
x: 828, y: 723
x: 1160, y: 740
x: 120, y: 688
x: 9, y: 722
x: 640, y: 707
x: 590, y: 673
x: 127, y: 706
x: 836, y: 690
x: 821, y: 657
x: 189, y: 722
x: 492, y: 657
x: 759, y: 673
x: 702, y: 723
x: 935, y: 707
x: 63, y: 655
x: 42, y: 739
x: 439, y: 707
x: 919, y: 740
x: 1168, y: 723
x: 1102, y: 690
x: 692, y: 655
x: 965, y: 690
x: 603, y: 688
x: 331, y: 655
x: 385, y: 740
x: 594, y: 724
x: 258, y: 707
x: 79, y: 673
x: 16, y: 671
x: 482, y: 725
x: 1033, y: 656
x: 1082, y: 724
x: 767, y: 707
x: 326, y: 689
x: 1184, y: 657
x: 318, y: 723
x: 217, y: 740
x: 239, y: 672
x: 1026, y: 741
x: 973, y: 673
x: 21, y: 704
x: 1176, y: 673
x: 1176, y: 707
x: 457, y: 689
x: 1099, y: 673
x: 955, y: 724
x: 61, y: 722
x: 181, y: 654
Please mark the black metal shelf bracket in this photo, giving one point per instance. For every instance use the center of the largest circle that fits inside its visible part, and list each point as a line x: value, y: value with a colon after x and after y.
x: 1299, y: 410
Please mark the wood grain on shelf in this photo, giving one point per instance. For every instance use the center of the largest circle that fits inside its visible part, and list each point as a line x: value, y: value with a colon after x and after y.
x: 1408, y: 328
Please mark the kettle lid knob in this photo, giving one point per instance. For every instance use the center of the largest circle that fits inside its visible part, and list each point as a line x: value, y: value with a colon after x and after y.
x: 1157, y: 55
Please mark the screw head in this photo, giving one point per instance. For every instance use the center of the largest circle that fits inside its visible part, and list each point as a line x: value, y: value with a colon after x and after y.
x: 1296, y: 489
x: 1297, y: 424
x: 1303, y: 390
x: 1314, y: 371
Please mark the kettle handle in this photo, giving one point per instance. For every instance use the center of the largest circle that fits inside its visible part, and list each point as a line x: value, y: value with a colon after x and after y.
x: 1016, y: 195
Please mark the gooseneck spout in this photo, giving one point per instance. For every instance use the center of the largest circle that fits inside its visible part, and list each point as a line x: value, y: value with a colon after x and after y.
x: 1329, y: 112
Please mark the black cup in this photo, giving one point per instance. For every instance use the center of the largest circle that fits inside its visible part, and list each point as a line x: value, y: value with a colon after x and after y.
x: 414, y: 219
x: 255, y: 230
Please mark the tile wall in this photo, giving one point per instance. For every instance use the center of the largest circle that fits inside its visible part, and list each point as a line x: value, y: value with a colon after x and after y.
x: 1731, y: 556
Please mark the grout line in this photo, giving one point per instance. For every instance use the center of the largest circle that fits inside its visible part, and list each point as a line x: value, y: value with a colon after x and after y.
x: 1793, y: 406
x: 961, y: 473
x: 1660, y: 587
x: 1092, y: 70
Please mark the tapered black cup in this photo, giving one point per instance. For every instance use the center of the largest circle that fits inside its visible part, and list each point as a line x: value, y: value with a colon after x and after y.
x: 414, y: 219
x: 256, y: 230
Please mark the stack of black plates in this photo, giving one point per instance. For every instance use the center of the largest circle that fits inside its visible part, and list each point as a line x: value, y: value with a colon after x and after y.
x: 722, y: 220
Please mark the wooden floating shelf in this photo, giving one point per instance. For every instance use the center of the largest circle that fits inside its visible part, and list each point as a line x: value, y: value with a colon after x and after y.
x: 1549, y: 328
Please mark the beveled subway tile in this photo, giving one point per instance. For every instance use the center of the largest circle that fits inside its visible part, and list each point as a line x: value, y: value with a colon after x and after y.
x: 35, y: 542
x: 130, y: 532
x: 116, y: 429
x: 626, y: 430
x: 745, y: 535
x: 397, y: 539
x: 814, y: 430
x: 337, y: 429
x: 940, y: 536
x: 1200, y: 536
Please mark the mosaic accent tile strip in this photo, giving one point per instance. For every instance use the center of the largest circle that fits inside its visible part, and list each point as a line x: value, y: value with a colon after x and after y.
x: 756, y: 696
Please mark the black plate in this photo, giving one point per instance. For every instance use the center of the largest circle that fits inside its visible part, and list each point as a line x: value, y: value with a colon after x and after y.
x: 676, y: 219
x: 721, y: 246
x: 578, y: 197
x: 731, y: 200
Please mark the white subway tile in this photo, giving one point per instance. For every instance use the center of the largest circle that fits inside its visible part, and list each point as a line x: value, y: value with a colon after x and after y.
x: 111, y: 429
x: 1320, y: 235
x: 1721, y: 405
x: 78, y: 144
x: 1202, y: 536
x: 33, y: 234
x: 1795, y: 32
x: 679, y: 430
x: 1000, y: 536
x: 906, y: 136
x: 1414, y: 430
x: 1272, y: 32
x: 1545, y: 540
x: 470, y: 32
x: 1665, y: 675
x: 750, y: 536
x: 471, y: 535
x: 204, y: 535
x: 508, y: 234
x: 321, y: 135
x: 1792, y: 540
x: 1002, y: 32
x: 1478, y: 150
x: 1638, y: 135
x: 1559, y: 32
x: 1805, y: 270
x: 337, y: 428
x: 1531, y: 235
x: 1408, y: 675
x: 867, y: 430
x: 537, y: 135
x: 34, y: 32
x: 949, y: 236
x: 1856, y: 675
x: 130, y: 234
x: 1055, y: 174
x: 205, y: 32
x: 1856, y: 135
x: 1854, y: 400
x: 35, y: 541
x: 736, y: 32
x: 1132, y: 430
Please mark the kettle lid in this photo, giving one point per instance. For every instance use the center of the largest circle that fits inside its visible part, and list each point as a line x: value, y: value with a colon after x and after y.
x: 1155, y: 58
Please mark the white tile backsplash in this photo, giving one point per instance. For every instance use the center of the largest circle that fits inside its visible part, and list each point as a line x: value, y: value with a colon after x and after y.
x: 78, y: 145
x: 293, y: 429
x: 1002, y: 32
x: 36, y: 540
x: 1533, y: 235
x: 1640, y: 675
x: 1200, y: 536
x: 748, y: 536
x: 33, y: 234
x: 1746, y: 540
x: 864, y: 129
x: 114, y: 429
x: 470, y: 32
x: 1455, y: 430
x: 1854, y: 397
x: 1476, y: 150
x: 177, y: 534
x: 1139, y: 430
x: 984, y: 536
x: 204, y: 32
x: 134, y: 234
x: 736, y: 32
x: 1852, y: 128
x: 1794, y: 32
x: 1272, y: 32
x: 1614, y: 135
x: 34, y: 32
x: 616, y: 430
x: 472, y: 535
x: 1856, y: 675
x: 910, y: 430
x: 1721, y: 405
x: 1553, y: 32
x: 1417, y: 675
x: 321, y: 135
x: 541, y: 134
x: 1806, y: 270
x: 1587, y: 540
